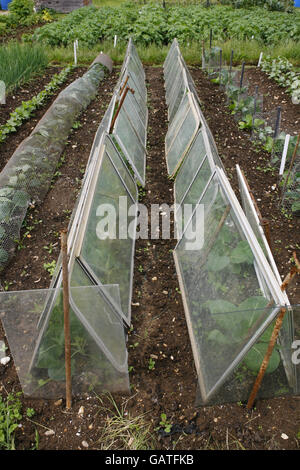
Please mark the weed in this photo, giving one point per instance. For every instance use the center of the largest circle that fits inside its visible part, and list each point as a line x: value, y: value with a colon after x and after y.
x: 164, y: 423
x: 10, y: 416
x: 50, y: 267
x: 121, y: 431
x: 151, y: 364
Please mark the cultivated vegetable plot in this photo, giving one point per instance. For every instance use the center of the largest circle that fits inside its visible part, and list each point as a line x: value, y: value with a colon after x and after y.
x: 151, y: 23
x: 264, y: 127
x: 100, y: 268
x: 230, y: 284
x: 282, y: 71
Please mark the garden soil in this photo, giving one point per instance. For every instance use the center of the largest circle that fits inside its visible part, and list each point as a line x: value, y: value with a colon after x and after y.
x: 162, y: 373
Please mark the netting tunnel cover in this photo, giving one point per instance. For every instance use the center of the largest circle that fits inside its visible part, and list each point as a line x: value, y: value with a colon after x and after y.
x: 27, y: 176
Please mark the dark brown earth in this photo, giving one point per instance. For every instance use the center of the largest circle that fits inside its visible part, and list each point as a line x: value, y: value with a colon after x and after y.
x: 159, y: 329
x: 275, y: 96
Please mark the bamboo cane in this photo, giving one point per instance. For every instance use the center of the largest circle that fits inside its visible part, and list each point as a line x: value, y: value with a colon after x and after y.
x: 274, y: 336
x: 66, y: 304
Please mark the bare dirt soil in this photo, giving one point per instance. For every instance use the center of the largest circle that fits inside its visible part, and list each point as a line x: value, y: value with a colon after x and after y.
x: 162, y: 373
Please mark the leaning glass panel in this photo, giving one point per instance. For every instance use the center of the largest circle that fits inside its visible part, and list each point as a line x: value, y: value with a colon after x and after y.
x: 173, y: 52
x: 194, y: 192
x: 177, y: 98
x: 224, y: 303
x: 139, y: 97
x: 133, y: 116
x: 137, y: 75
x: 174, y: 82
x: 131, y: 145
x: 134, y: 110
x: 98, y: 349
x: 107, y: 247
x: 121, y: 168
x: 189, y: 167
x: 253, y: 218
x: 177, y: 122
x: 169, y: 77
x: 182, y: 140
x: 282, y: 376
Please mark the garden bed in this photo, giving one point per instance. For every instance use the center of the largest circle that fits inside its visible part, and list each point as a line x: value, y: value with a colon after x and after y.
x: 274, y: 96
x: 25, y: 93
x: 162, y: 376
x: 235, y: 147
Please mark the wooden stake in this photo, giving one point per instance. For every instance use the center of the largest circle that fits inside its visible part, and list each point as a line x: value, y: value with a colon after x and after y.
x: 242, y: 75
x: 274, y: 336
x: 119, y: 107
x: 266, y: 359
x: 66, y: 304
x: 265, y: 223
x: 124, y: 85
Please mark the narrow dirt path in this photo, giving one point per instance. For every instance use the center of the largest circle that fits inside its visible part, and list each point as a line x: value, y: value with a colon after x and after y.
x: 163, y: 372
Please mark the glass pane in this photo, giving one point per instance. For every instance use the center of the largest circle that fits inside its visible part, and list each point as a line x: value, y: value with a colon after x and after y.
x: 110, y: 258
x: 130, y: 145
x: 121, y: 168
x: 226, y: 307
x: 177, y: 122
x: 137, y: 76
x: 253, y: 219
x: 98, y: 349
x: 190, y: 167
x: 173, y: 82
x: 182, y: 141
x: 134, y: 108
x: 139, y: 97
x: 133, y: 116
x: 177, y: 98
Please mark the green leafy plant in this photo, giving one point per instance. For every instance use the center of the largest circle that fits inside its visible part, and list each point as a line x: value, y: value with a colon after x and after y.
x: 150, y: 23
x: 249, y: 123
x: 21, y: 8
x: 164, y: 423
x: 283, y: 73
x: 30, y: 412
x: 50, y: 267
x: 27, y: 108
x: 20, y: 62
x: 10, y: 416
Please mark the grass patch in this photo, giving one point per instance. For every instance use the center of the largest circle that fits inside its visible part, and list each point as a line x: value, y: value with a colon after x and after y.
x: 20, y: 62
x: 155, y: 55
x: 124, y: 432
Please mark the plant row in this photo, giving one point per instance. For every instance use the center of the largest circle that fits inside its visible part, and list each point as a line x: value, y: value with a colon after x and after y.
x: 282, y: 71
x: 262, y: 127
x: 27, y: 108
x: 151, y: 23
x: 19, y: 62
